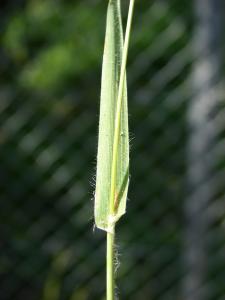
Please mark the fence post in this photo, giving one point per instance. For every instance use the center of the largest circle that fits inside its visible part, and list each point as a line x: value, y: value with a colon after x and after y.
x: 202, y: 130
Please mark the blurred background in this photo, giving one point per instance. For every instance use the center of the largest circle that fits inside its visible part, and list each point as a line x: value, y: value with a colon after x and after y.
x: 171, y: 242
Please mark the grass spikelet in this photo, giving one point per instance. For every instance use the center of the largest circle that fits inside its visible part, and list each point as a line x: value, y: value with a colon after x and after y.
x: 112, y: 177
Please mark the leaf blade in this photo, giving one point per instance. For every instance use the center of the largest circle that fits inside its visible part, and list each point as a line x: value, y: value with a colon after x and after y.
x: 112, y: 58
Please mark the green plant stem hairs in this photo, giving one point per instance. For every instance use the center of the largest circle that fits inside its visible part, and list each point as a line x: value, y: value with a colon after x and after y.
x: 113, y: 141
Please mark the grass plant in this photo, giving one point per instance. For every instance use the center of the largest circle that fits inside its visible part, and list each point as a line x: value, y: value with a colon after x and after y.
x: 112, y: 177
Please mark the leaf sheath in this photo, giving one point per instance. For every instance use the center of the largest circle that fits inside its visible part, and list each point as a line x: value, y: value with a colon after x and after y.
x: 105, y: 214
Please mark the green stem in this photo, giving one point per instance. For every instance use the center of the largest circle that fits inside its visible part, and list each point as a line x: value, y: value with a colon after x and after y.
x: 110, y: 266
x: 111, y: 235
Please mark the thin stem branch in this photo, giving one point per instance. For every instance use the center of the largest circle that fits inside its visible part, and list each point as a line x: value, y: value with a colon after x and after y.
x: 110, y: 266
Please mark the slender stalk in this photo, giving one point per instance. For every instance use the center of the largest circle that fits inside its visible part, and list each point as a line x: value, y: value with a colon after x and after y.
x: 110, y: 266
x: 111, y: 235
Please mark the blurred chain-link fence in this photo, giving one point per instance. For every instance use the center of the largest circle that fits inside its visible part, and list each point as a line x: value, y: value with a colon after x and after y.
x: 171, y: 242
